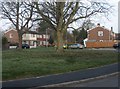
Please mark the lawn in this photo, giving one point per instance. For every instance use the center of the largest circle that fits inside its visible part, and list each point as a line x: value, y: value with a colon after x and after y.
x: 18, y: 64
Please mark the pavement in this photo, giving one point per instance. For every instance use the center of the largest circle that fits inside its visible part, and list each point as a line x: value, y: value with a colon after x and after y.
x: 61, y: 78
x: 108, y: 49
x: 111, y: 81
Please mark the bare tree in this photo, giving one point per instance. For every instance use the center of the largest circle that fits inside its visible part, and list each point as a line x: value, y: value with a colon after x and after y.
x: 20, y: 15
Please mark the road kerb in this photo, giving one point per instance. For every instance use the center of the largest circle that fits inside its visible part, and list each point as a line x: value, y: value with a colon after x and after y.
x: 76, y: 82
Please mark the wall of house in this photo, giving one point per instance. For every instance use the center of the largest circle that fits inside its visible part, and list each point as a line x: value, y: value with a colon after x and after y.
x: 12, y: 36
x: 29, y: 36
x: 93, y: 34
x: 42, y: 40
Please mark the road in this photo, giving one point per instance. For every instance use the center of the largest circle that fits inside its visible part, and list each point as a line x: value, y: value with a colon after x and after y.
x: 61, y: 78
x: 104, y: 82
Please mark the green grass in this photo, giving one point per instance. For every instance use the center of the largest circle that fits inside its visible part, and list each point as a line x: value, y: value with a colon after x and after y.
x: 43, y: 61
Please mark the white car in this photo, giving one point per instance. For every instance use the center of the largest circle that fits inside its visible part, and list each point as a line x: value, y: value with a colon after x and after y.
x: 75, y: 46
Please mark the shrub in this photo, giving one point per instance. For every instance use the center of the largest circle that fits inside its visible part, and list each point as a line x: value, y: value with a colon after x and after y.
x: 51, y: 41
x: 4, y: 40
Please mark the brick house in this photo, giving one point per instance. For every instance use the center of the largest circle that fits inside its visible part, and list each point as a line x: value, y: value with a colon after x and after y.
x: 12, y: 36
x: 32, y: 38
x: 117, y: 36
x: 100, y: 37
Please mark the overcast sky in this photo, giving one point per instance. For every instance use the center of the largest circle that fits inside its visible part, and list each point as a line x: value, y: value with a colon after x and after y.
x: 112, y: 20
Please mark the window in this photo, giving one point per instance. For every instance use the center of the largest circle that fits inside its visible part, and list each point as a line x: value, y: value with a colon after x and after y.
x: 40, y: 36
x: 40, y: 42
x: 11, y: 36
x: 25, y: 42
x: 44, y: 42
x: 101, y: 40
x: 31, y: 42
x: 100, y: 33
x: 33, y: 35
x: 44, y: 36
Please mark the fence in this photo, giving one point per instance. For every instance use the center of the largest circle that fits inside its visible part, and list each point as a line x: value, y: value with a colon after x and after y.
x: 99, y: 44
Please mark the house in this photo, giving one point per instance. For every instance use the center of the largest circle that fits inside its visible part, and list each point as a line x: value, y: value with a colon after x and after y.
x: 100, y: 37
x: 12, y: 36
x: 42, y: 39
x: 32, y: 38
x: 117, y: 36
x: 100, y: 34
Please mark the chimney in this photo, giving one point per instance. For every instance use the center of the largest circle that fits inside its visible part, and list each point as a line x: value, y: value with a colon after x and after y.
x: 103, y: 26
x: 111, y: 29
x: 98, y: 25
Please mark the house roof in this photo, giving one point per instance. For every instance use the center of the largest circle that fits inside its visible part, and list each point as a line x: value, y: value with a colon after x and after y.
x: 35, y: 32
x: 29, y: 32
x: 98, y: 27
x: 9, y: 30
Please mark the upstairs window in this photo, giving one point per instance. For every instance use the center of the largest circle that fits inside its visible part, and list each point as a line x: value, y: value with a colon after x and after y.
x: 11, y: 36
x: 40, y: 36
x: 100, y: 33
x: 32, y: 35
x: 44, y: 36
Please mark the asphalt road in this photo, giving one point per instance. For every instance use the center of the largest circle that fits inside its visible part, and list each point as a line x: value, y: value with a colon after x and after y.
x: 104, y: 82
x: 60, y: 78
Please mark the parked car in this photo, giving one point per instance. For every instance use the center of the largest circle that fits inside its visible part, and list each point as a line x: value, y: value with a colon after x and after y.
x: 65, y: 46
x: 25, y: 46
x: 75, y: 46
x: 116, y: 45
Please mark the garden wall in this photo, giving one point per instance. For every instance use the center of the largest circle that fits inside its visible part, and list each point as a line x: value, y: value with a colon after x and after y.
x: 100, y: 44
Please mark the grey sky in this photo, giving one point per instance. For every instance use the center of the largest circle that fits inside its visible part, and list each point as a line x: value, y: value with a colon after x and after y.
x: 113, y: 17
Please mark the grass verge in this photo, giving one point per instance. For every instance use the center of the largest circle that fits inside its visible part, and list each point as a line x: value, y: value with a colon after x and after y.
x: 24, y: 63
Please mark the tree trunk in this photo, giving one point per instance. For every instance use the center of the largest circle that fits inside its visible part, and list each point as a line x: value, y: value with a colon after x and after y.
x: 75, y: 39
x: 20, y: 40
x: 59, y: 41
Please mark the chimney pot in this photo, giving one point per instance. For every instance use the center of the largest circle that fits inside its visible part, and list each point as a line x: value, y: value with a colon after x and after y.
x: 98, y: 24
x: 111, y: 28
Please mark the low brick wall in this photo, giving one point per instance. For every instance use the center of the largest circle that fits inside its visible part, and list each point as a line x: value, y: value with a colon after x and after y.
x: 99, y: 44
